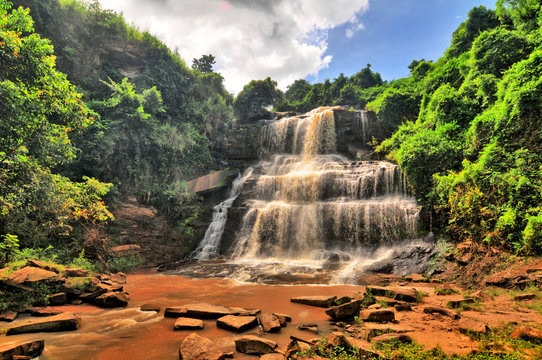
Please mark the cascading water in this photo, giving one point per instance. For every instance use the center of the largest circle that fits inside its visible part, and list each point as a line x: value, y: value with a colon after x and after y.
x: 308, y: 210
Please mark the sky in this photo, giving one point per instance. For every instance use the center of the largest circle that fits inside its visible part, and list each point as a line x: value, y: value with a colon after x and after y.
x: 301, y: 39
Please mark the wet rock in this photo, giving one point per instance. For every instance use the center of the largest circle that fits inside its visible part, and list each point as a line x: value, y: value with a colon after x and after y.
x: 403, y: 338
x: 29, y: 274
x: 89, y: 297
x: 283, y: 318
x: 251, y: 344
x: 150, y: 307
x: 58, y: 299
x: 320, y: 301
x: 467, y: 326
x: 42, y: 265
x: 187, y: 324
x: 111, y: 300
x: 76, y: 272
x: 237, y: 323
x: 246, y: 312
x: 313, y: 328
x: 269, y: 322
x: 455, y: 304
x: 521, y: 297
x: 527, y: 333
x: 406, y: 260
x: 344, y: 311
x: 109, y: 287
x: 62, y: 322
x: 31, y: 349
x: 175, y: 312
x: 44, y: 311
x: 441, y: 311
x: 273, y: 356
x: 208, y: 311
x: 195, y: 347
x: 8, y: 316
x: 382, y: 315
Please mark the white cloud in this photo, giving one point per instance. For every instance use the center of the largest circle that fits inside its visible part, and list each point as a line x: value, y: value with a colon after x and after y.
x: 251, y: 39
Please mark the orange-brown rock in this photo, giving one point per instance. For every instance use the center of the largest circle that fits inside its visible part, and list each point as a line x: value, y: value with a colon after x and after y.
x: 195, y: 347
x: 150, y: 307
x: 58, y: 299
x: 392, y: 337
x: 521, y: 297
x: 42, y: 265
x: 382, y: 315
x: 440, y: 310
x: 76, y: 272
x: 251, y: 344
x: 187, y: 324
x: 112, y: 299
x: 208, y: 311
x: 269, y: 322
x: 320, y: 301
x: 283, y: 318
x: 344, y: 311
x: 31, y: 349
x: 31, y: 274
x: 527, y: 333
x: 44, y: 311
x: 8, y: 316
x: 237, y: 323
x: 62, y: 322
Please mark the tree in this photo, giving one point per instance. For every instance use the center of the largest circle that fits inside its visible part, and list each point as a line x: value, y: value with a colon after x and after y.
x: 254, y: 101
x: 366, y: 78
x: 297, y: 91
x: 204, y: 64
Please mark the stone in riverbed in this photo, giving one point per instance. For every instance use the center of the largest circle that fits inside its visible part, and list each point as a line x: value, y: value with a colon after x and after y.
x: 175, y: 312
x: 313, y: 328
x: 344, y: 311
x: 269, y: 322
x: 31, y: 349
x: 150, y: 307
x: 58, y: 299
x: 112, y: 299
x: 320, y: 301
x: 62, y: 322
x: 382, y: 315
x: 251, y: 344
x: 187, y: 324
x: 237, y: 323
x: 283, y: 318
x: 44, y: 311
x: 208, y: 311
x: 195, y: 347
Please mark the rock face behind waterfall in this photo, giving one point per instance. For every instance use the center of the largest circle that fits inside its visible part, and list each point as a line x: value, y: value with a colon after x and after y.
x: 304, y: 198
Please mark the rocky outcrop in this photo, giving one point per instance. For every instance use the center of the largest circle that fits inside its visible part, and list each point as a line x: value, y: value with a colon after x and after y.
x: 251, y: 344
x: 195, y: 347
x: 527, y: 333
x: 212, y: 182
x: 30, y: 275
x: 29, y: 349
x: 62, y: 322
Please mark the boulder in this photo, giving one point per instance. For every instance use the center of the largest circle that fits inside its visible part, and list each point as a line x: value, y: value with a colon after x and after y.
x: 521, y: 297
x: 283, y: 318
x: 338, y: 339
x: 237, y: 323
x: 89, y: 297
x: 269, y: 322
x: 62, y: 322
x: 344, y: 311
x: 31, y: 274
x: 31, y: 349
x: 320, y: 301
x: 313, y: 328
x: 403, y: 307
x: 187, y: 324
x: 119, y: 278
x: 392, y: 337
x: 44, y: 311
x: 109, y: 287
x: 455, y: 304
x: 58, y: 299
x: 112, y: 299
x: 406, y: 295
x: 195, y: 347
x: 76, y: 272
x: 382, y: 315
x: 441, y: 311
x: 527, y: 333
x: 8, y: 316
x: 150, y: 307
x: 208, y: 311
x: 251, y: 344
x: 467, y: 326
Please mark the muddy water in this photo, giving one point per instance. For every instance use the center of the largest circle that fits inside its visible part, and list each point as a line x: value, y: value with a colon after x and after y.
x: 129, y: 334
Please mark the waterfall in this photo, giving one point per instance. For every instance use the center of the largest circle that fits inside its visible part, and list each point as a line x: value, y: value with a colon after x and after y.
x: 208, y: 247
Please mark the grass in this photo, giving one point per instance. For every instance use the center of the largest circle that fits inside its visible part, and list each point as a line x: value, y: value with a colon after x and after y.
x: 439, y: 291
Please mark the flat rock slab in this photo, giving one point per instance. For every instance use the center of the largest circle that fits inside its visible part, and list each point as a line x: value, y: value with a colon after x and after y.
x: 374, y: 329
x: 195, y: 347
x: 237, y: 323
x: 187, y: 324
x: 467, y: 326
x: 76, y: 272
x: 175, y: 312
x: 31, y: 274
x: 283, y: 318
x: 269, y: 322
x: 31, y: 349
x: 320, y: 301
x: 42, y: 265
x: 441, y: 311
x: 380, y: 315
x: 208, y: 311
x: 521, y: 297
x: 406, y: 295
x: 251, y: 344
x: 150, y: 307
x: 344, y: 311
x: 58, y: 299
x: 44, y: 311
x: 392, y: 337
x: 62, y: 322
x: 9, y: 316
